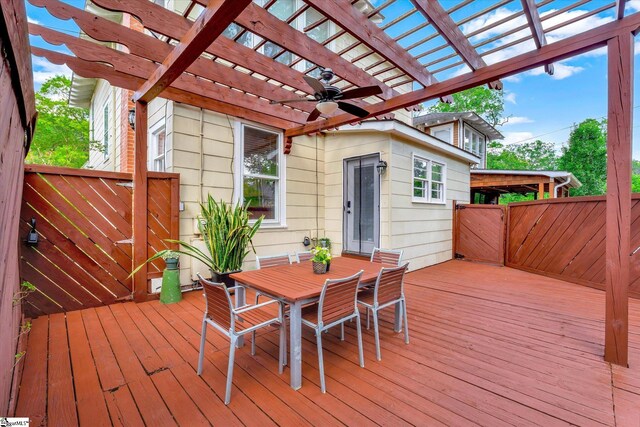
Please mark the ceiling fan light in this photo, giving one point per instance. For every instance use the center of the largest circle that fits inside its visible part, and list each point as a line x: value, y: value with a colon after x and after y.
x: 327, y: 107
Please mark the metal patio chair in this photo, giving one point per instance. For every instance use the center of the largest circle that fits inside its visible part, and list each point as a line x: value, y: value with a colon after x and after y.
x: 234, y: 323
x: 387, y: 256
x: 388, y: 291
x: 303, y: 256
x: 337, y: 304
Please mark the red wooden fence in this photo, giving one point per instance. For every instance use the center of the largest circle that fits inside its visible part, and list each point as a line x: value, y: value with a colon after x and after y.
x: 565, y: 239
x: 479, y: 233
x: 84, y: 221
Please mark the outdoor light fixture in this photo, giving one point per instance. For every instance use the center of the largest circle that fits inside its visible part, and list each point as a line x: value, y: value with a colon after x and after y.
x: 132, y: 118
x: 381, y: 167
x: 32, y: 235
x: 327, y: 107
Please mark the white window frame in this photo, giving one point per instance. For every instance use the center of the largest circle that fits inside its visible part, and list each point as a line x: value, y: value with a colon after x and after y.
x: 428, y: 180
x: 153, y: 153
x: 106, y: 148
x: 280, y: 220
x: 482, y: 139
x: 448, y: 126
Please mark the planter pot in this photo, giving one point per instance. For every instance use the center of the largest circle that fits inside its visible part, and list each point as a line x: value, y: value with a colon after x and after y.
x: 170, y: 291
x: 224, y: 277
x: 319, y: 267
x: 328, y: 266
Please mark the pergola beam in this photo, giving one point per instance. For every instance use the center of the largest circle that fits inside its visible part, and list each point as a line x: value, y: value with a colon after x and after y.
x: 210, y: 24
x: 566, y: 48
x: 367, y: 32
x: 535, y: 24
x: 620, y: 5
x: 449, y: 30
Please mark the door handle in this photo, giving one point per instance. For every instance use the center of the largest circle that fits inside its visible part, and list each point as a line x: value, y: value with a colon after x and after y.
x: 348, y: 206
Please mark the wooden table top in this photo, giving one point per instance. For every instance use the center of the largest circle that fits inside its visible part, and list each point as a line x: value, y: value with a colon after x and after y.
x: 297, y: 282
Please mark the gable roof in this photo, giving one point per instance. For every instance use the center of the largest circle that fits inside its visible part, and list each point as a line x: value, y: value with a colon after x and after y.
x: 480, y: 124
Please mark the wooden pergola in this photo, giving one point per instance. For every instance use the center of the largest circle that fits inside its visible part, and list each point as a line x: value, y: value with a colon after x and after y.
x: 193, y: 59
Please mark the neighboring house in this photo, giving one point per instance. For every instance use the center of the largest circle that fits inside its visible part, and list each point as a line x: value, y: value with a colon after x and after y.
x: 465, y: 130
x: 490, y: 184
x: 381, y: 183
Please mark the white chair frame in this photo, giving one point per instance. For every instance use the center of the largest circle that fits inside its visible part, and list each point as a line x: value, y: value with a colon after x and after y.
x: 262, y: 259
x: 304, y: 254
x: 233, y: 334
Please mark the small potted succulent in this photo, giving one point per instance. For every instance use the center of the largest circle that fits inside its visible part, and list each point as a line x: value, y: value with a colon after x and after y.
x: 321, y: 259
x: 171, y: 259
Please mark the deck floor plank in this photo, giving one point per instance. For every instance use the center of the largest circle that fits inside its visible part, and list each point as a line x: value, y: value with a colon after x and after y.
x: 489, y: 346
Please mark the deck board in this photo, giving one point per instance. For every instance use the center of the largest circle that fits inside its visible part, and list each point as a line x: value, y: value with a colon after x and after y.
x: 489, y: 346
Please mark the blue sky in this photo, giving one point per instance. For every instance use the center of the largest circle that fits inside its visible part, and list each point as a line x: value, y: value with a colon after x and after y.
x: 541, y: 106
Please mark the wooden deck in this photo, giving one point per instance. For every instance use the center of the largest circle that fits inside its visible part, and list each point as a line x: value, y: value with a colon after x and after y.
x: 489, y: 345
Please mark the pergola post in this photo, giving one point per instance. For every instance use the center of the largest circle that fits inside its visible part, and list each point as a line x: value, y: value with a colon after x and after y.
x: 541, y: 191
x: 140, y: 188
x: 618, y: 225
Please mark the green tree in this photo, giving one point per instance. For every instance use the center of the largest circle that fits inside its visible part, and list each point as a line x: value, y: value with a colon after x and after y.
x: 635, y: 183
x: 487, y: 103
x: 586, y: 157
x: 536, y: 155
x: 62, y: 132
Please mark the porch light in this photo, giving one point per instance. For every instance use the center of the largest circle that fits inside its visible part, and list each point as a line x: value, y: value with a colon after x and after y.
x: 32, y: 235
x: 132, y: 118
x: 327, y: 107
x: 381, y: 167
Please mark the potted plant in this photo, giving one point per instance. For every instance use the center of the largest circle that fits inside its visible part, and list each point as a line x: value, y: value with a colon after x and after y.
x: 170, y: 291
x: 321, y: 258
x: 227, y: 234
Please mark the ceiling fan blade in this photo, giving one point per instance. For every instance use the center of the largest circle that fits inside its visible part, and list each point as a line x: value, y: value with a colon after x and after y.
x: 353, y: 109
x: 314, y: 115
x: 315, y: 84
x: 291, y: 100
x: 361, y: 92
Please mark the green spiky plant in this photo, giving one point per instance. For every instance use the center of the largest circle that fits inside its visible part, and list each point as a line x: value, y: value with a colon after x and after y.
x: 227, y: 235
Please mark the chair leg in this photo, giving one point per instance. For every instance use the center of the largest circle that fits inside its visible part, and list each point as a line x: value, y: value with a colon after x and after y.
x: 367, y: 318
x: 342, y: 331
x: 406, y: 324
x: 232, y: 353
x: 376, y: 331
x: 360, y: 352
x: 282, y: 347
x: 320, y: 361
x: 253, y: 343
x: 203, y: 340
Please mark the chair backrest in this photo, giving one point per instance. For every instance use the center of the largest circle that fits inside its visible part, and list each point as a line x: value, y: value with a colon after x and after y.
x: 304, y: 256
x: 219, y: 308
x: 338, y: 298
x: 272, y: 261
x: 389, y: 286
x: 386, y: 256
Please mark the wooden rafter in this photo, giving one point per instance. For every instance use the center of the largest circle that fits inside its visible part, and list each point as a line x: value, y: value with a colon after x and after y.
x: 210, y: 24
x: 535, y: 24
x: 571, y: 46
x: 138, y: 67
x: 620, y: 5
x: 442, y: 22
x: 366, y: 31
x: 100, y: 71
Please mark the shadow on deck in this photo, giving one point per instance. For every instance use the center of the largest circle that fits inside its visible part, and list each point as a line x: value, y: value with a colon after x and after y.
x: 489, y: 345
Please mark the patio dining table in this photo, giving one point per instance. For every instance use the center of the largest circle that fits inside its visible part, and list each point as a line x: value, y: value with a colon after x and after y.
x: 297, y: 285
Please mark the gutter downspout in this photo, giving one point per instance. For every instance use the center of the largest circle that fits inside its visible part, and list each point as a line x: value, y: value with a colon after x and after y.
x: 563, y: 184
x: 201, y: 155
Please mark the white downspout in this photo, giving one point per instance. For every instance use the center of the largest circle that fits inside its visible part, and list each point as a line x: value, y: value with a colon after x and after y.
x: 563, y: 184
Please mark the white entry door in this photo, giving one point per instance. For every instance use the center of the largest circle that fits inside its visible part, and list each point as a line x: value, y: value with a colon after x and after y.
x: 361, y: 204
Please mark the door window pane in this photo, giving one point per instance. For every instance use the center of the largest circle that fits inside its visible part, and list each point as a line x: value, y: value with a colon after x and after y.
x: 364, y: 209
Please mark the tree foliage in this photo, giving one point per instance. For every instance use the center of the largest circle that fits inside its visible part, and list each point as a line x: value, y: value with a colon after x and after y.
x: 62, y: 132
x: 487, y: 103
x: 536, y: 155
x: 586, y: 157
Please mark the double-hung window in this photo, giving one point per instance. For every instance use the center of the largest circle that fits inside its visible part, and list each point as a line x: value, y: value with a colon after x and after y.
x: 474, y: 142
x: 428, y: 180
x: 159, y: 150
x: 261, y: 179
x: 105, y: 132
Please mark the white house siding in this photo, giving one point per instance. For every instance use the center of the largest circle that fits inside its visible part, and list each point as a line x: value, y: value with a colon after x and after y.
x: 423, y: 231
x: 340, y: 146
x: 105, y: 94
x: 302, y: 205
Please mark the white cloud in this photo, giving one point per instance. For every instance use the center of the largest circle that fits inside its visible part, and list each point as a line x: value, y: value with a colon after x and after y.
x: 513, y: 79
x: 510, y: 97
x: 32, y: 21
x: 516, y: 120
x: 561, y: 70
x: 44, y: 70
x: 632, y: 6
x: 515, y: 137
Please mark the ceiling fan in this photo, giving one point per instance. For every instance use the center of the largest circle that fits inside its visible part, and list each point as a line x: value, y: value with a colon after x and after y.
x: 329, y: 98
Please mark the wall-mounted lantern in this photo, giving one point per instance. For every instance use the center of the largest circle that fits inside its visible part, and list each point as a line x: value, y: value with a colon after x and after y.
x: 381, y: 167
x: 132, y: 118
x: 32, y: 235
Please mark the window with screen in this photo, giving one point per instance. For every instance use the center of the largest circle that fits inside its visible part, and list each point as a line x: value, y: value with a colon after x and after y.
x: 474, y: 142
x: 105, y: 132
x: 428, y: 180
